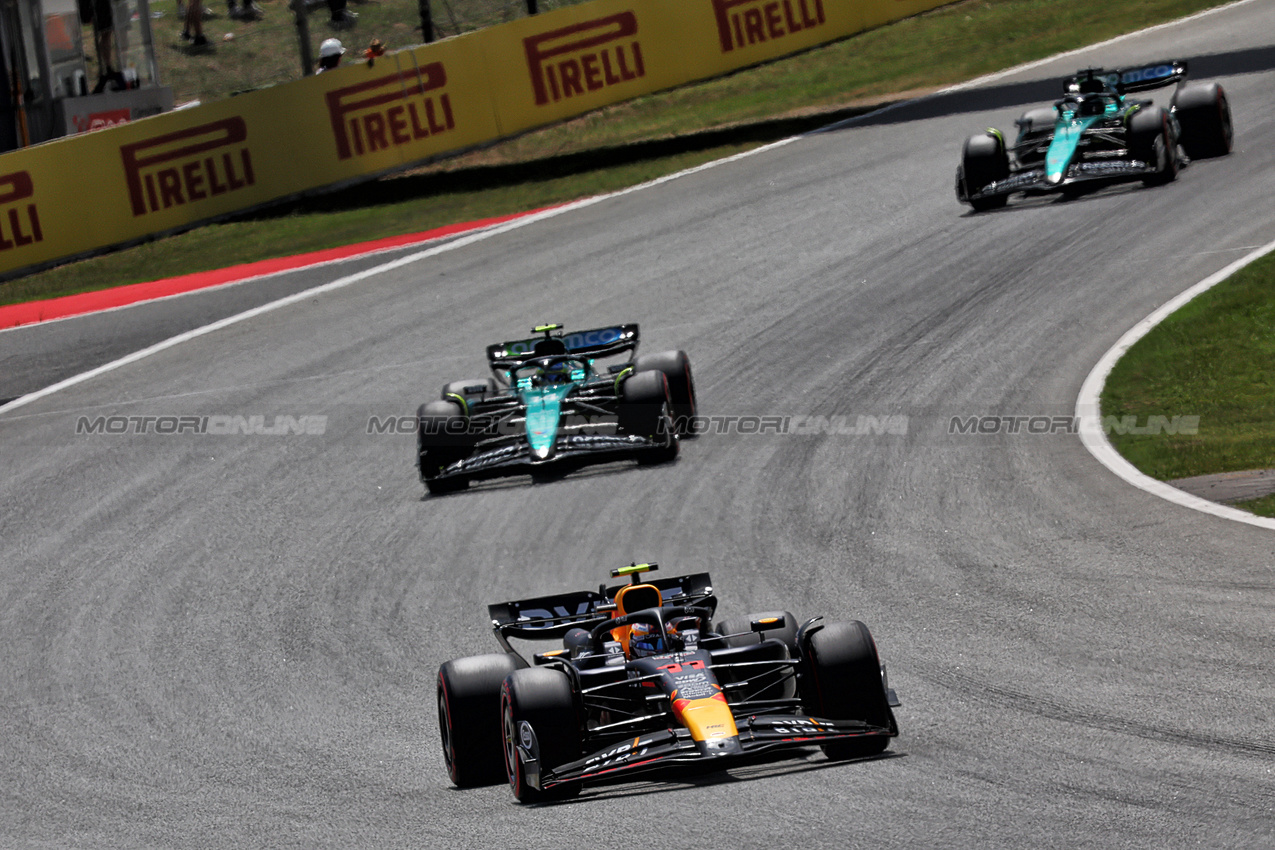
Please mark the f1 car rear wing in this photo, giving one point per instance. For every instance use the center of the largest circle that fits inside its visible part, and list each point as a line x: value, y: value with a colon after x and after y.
x: 551, y: 617
x: 1141, y: 78
x: 598, y: 342
x: 547, y: 617
x: 693, y: 589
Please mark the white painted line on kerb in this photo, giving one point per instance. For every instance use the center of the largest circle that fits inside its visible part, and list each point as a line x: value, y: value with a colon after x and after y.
x: 1091, y: 433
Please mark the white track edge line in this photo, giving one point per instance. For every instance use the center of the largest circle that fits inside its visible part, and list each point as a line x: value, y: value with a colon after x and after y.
x: 1090, y: 423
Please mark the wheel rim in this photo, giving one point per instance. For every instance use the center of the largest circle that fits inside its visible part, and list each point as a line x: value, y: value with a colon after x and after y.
x: 445, y: 727
x: 511, y: 748
x: 1228, y: 130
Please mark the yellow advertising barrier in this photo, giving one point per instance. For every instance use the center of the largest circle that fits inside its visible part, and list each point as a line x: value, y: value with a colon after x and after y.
x: 78, y: 195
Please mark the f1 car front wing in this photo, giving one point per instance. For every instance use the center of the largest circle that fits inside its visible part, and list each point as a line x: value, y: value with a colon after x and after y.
x: 655, y: 750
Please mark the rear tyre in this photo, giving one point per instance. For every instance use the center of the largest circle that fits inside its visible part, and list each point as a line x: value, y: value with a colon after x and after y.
x: 470, y: 391
x: 676, y: 367
x: 841, y: 660
x: 983, y: 161
x: 1204, y: 114
x: 644, y: 407
x: 743, y: 636
x: 541, y: 699
x: 469, y: 718
x: 1037, y: 122
x: 442, y: 438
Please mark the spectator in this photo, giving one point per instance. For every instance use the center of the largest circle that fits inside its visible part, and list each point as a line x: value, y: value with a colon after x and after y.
x: 245, y: 10
x: 194, y: 23
x: 330, y: 53
x: 341, y: 16
x: 104, y: 42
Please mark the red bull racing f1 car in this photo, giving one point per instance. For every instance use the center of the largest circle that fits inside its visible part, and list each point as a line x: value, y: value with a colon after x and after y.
x: 550, y: 404
x: 1095, y: 133
x: 642, y: 678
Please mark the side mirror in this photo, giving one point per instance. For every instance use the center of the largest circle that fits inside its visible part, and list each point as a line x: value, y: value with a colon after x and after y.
x: 765, y: 624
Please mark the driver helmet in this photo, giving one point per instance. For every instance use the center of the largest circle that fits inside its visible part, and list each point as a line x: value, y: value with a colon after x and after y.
x: 645, y: 639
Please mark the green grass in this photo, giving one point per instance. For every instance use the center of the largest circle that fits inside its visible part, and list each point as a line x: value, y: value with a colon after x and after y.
x: 267, y: 51
x: 942, y: 47
x: 1211, y: 359
x: 1264, y: 506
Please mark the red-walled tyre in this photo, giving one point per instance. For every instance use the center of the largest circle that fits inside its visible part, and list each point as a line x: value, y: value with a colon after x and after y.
x: 537, y: 703
x: 469, y: 718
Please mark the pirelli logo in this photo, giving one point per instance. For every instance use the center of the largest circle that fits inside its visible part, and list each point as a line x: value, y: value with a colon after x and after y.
x: 19, y: 219
x: 584, y: 57
x: 392, y: 110
x: 187, y: 166
x: 741, y: 23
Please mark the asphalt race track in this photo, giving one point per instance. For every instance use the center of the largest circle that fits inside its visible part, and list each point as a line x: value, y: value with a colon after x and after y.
x: 231, y: 641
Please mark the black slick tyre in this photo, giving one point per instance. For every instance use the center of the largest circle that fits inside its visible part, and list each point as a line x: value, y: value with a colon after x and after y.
x: 983, y: 162
x: 741, y: 635
x: 469, y: 718
x: 442, y: 438
x: 465, y: 392
x: 644, y: 412
x: 1152, y: 140
x: 844, y: 683
x: 1204, y: 114
x: 540, y: 699
x: 676, y: 367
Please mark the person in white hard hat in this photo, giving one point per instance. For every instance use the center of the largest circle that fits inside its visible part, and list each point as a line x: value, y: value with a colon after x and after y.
x: 330, y: 53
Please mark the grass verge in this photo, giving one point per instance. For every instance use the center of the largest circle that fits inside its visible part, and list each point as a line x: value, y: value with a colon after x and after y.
x: 1210, y: 359
x: 948, y: 45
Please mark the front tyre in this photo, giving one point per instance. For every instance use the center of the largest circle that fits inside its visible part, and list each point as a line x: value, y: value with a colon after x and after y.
x: 442, y: 438
x: 469, y: 718
x: 644, y: 412
x: 845, y: 673
x: 538, y: 702
x: 676, y: 367
x: 1152, y: 139
x: 983, y: 162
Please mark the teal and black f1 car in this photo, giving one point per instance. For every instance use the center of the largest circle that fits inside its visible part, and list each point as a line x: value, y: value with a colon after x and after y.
x: 551, y: 405
x: 1095, y: 133
x: 643, y: 678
